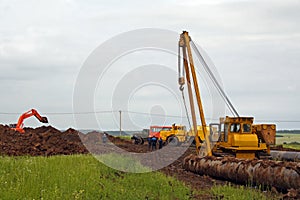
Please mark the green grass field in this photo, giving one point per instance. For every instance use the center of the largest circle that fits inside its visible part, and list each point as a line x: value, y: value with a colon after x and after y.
x: 125, y: 137
x: 84, y: 177
x: 80, y: 177
x: 237, y: 193
x: 288, y: 140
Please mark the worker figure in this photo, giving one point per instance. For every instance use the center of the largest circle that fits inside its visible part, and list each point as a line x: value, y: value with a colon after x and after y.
x: 153, y: 141
x: 104, y: 138
x: 149, y: 143
x: 160, y: 143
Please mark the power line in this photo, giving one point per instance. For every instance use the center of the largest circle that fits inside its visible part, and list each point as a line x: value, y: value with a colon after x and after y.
x: 6, y: 113
x: 78, y: 113
x: 152, y: 114
x: 145, y: 113
x: 62, y: 113
x: 277, y: 120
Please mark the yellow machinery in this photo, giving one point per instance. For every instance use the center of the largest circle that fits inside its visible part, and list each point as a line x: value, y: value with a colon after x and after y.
x: 242, y: 139
x: 200, y: 133
x: 177, y: 134
x: 174, y: 135
x: 235, y: 136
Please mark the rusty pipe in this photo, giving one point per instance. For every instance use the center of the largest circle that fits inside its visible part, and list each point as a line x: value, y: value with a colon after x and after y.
x: 278, y: 174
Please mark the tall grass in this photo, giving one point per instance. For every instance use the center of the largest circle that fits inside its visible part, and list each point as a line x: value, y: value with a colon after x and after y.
x: 237, y: 193
x: 292, y: 145
x: 81, y: 177
x: 84, y: 177
x: 125, y: 137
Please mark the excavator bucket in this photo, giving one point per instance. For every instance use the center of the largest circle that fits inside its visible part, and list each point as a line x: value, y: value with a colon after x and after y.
x: 44, y: 120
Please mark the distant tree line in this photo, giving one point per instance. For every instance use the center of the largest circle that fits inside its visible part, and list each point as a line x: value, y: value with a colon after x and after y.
x: 289, y: 131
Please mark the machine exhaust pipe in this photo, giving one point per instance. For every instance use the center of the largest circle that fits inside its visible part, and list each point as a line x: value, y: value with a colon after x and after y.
x: 281, y: 175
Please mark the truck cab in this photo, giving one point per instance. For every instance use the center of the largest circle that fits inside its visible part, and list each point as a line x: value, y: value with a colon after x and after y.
x: 155, y: 130
x: 175, y: 135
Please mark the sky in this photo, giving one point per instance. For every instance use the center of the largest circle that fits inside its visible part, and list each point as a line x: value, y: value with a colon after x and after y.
x: 253, y: 44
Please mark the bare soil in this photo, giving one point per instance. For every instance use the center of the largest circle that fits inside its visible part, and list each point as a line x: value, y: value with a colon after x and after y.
x: 42, y: 141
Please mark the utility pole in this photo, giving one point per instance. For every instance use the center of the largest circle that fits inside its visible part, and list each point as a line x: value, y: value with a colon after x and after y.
x: 120, y: 122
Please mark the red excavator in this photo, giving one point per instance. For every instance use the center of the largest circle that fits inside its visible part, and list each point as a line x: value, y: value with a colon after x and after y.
x: 19, y: 126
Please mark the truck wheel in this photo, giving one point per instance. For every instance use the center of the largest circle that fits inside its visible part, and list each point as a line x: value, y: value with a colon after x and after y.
x: 173, y: 141
x: 137, y: 140
x: 143, y: 141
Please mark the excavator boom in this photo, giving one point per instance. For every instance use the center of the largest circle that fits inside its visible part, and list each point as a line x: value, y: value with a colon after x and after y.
x: 32, y: 112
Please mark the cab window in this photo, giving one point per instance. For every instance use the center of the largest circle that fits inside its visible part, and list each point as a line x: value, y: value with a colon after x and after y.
x: 155, y: 129
x: 235, y: 128
x: 246, y: 128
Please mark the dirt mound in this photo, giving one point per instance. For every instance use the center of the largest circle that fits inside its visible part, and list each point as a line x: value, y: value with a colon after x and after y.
x: 44, y: 140
x: 47, y: 141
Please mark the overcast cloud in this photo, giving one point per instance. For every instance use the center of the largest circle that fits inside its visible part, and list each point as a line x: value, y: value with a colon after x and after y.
x: 254, y: 44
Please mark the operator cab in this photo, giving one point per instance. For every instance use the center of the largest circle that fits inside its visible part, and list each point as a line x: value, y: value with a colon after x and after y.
x: 12, y: 125
x: 178, y: 127
x: 235, y: 125
x: 233, y: 130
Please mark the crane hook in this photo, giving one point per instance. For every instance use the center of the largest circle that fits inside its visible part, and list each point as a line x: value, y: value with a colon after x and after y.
x: 181, y: 88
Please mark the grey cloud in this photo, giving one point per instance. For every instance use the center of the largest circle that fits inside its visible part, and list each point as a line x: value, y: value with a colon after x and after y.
x: 44, y: 43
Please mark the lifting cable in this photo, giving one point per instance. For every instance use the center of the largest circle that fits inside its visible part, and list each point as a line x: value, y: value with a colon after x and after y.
x: 214, y: 80
x: 182, y: 88
x: 186, y: 110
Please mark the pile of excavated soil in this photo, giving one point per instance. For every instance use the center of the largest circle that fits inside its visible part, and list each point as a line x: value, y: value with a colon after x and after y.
x: 43, y: 141
x: 47, y: 141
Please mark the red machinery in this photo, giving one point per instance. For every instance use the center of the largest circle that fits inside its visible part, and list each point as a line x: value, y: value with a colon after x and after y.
x: 19, y: 126
x: 155, y: 130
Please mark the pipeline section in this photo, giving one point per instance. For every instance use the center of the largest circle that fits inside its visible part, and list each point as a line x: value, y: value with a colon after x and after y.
x: 278, y: 174
x: 285, y: 155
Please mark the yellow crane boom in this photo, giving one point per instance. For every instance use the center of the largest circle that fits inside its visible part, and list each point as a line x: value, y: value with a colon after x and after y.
x: 189, y: 68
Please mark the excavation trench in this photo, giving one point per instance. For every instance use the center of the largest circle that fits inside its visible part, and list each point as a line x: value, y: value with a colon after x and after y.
x: 278, y: 174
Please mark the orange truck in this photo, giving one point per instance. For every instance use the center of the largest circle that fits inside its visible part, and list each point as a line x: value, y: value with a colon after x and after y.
x: 154, y: 131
